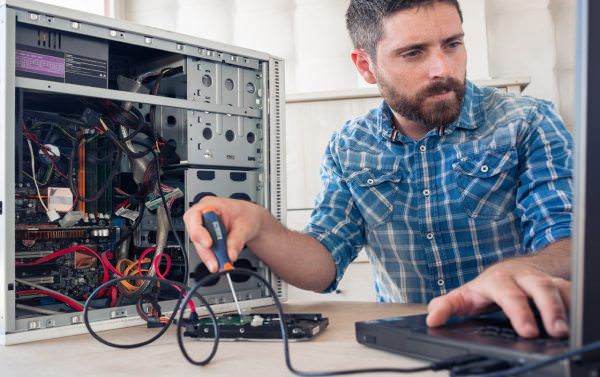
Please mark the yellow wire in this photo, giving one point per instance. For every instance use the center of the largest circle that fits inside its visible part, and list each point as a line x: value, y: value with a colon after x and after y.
x: 131, y: 269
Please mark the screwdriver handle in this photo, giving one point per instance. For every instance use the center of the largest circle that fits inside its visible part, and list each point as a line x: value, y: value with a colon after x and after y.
x: 215, y: 227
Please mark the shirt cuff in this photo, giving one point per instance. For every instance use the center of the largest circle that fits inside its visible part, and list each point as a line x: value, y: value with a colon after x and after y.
x: 550, y: 236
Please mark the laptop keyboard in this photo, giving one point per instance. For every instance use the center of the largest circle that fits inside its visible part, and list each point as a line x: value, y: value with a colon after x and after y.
x: 508, y: 333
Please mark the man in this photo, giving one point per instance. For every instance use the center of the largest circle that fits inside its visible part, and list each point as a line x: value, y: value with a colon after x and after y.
x: 446, y: 185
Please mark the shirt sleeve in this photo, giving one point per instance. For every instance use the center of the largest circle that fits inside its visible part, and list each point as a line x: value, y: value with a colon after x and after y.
x: 545, y: 192
x: 335, y: 220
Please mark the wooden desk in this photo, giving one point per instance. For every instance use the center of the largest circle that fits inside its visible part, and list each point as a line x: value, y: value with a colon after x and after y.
x: 335, y: 348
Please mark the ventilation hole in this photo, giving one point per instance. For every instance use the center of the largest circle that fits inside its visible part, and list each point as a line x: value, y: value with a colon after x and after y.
x: 229, y: 135
x: 241, y: 196
x: 199, y: 197
x: 207, y: 80
x: 250, y: 88
x: 229, y: 84
x: 251, y: 137
x: 147, y: 118
x: 207, y: 133
x: 201, y: 272
x: 242, y: 263
x: 171, y: 121
x: 237, y: 176
x: 205, y: 175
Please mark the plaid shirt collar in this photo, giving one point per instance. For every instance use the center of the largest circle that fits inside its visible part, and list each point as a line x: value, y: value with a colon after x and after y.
x: 471, y: 113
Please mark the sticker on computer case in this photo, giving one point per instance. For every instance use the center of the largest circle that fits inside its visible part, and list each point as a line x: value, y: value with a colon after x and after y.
x: 39, y: 63
x: 83, y: 70
x: 59, y: 66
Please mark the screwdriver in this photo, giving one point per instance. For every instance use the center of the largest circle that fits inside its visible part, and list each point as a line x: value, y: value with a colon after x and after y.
x: 215, y: 227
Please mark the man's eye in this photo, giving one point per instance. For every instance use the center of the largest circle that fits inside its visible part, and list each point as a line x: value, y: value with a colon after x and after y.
x: 411, y: 54
x: 455, y: 44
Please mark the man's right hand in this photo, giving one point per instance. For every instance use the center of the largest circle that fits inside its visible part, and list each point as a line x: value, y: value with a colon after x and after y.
x: 296, y: 257
x: 242, y: 219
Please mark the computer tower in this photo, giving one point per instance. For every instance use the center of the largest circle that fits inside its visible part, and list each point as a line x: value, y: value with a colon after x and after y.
x: 103, y: 119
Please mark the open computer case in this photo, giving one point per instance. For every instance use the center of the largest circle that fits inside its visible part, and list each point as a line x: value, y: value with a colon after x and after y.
x: 205, y: 117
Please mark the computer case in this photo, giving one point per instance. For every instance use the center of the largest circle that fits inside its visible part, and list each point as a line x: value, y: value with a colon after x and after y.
x: 211, y: 114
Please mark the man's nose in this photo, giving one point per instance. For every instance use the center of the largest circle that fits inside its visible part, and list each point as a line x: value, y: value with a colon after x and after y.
x: 438, y: 65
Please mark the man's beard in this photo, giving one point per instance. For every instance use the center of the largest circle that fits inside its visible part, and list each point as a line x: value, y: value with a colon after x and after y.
x: 436, y: 114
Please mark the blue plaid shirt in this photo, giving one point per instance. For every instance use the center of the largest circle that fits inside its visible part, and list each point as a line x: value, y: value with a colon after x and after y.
x: 433, y: 213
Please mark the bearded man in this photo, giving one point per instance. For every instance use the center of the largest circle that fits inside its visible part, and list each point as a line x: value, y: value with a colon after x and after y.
x: 461, y: 196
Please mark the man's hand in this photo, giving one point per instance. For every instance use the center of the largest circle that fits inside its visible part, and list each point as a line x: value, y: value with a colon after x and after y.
x: 510, y: 285
x: 296, y: 257
x: 242, y: 220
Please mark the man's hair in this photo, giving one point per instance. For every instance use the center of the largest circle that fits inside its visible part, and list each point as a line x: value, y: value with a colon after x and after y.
x: 364, y: 19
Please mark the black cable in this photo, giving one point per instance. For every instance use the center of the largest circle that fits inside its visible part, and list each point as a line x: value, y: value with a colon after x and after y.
x: 594, y: 346
x: 186, y: 262
x: 283, y: 327
x: 182, y: 302
x: 140, y: 124
x: 88, y: 305
x: 117, y: 141
x: 442, y: 365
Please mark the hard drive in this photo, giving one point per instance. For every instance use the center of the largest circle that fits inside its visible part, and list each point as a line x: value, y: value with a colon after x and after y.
x: 259, y: 326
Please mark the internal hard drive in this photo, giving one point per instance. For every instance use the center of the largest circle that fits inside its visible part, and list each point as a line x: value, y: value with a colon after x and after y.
x: 259, y: 326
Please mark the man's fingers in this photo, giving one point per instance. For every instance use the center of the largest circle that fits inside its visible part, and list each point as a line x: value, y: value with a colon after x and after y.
x: 564, y: 288
x: 514, y: 303
x: 548, y: 300
x: 440, y: 309
x: 208, y: 258
x: 239, y: 226
x: 193, y: 223
x: 200, y: 237
x: 236, y: 239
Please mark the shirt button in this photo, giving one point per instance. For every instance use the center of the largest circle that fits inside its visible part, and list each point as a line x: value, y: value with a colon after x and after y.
x: 370, y: 181
x: 426, y: 192
x: 429, y: 236
x: 485, y: 169
x: 440, y: 282
x: 422, y: 148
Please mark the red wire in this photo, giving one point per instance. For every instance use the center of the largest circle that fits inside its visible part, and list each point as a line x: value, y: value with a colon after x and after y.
x: 107, y: 266
x: 61, y: 298
x: 146, y: 252
x: 113, y: 296
x: 156, y: 265
x: 167, y: 269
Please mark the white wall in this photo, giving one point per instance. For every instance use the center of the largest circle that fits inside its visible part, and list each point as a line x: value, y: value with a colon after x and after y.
x: 475, y: 28
x: 535, y: 38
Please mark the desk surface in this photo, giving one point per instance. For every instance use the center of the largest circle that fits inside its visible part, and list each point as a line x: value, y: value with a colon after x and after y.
x: 336, y: 348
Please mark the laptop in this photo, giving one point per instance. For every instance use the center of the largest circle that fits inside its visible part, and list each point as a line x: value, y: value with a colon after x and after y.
x: 491, y: 335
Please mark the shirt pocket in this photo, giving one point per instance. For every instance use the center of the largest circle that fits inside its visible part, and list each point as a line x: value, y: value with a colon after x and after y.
x: 374, y: 193
x: 487, y: 182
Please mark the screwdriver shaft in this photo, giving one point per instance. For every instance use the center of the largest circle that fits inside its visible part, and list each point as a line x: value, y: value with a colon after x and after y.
x: 237, y: 304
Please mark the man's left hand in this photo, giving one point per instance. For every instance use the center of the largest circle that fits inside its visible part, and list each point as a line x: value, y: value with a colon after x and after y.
x: 510, y: 285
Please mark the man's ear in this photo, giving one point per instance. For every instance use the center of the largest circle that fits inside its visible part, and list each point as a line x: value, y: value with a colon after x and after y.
x: 363, y: 64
